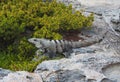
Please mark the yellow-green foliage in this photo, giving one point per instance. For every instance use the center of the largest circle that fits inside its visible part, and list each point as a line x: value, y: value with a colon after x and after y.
x: 44, y: 19
x: 61, y: 18
x: 25, y: 49
x: 23, y: 19
x: 16, y: 63
x: 25, y: 65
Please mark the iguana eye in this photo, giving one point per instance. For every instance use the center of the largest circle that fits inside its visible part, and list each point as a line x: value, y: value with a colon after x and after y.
x: 35, y: 40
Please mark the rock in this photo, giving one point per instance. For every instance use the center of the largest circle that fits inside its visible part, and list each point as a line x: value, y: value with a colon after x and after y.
x: 107, y: 20
x: 84, y: 50
x: 4, y: 72
x: 112, y: 71
x: 22, y: 76
x: 117, y: 28
x: 62, y: 76
x: 107, y: 80
x: 81, y: 68
x: 101, y: 3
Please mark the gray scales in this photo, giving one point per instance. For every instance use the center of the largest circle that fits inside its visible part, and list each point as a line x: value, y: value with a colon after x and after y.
x: 52, y: 48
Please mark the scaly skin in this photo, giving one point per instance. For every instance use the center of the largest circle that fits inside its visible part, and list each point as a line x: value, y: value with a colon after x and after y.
x: 50, y: 48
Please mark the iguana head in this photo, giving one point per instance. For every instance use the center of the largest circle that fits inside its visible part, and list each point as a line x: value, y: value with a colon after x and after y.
x: 38, y: 43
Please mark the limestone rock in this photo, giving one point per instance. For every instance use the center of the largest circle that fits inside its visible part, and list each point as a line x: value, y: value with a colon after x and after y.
x: 4, y: 72
x: 103, y: 3
x: 107, y: 19
x: 22, y: 76
x: 92, y: 67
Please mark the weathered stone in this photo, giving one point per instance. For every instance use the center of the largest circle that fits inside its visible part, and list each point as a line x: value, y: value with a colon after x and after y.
x: 22, y: 76
x: 101, y: 3
x: 80, y: 68
x: 112, y: 71
x: 107, y: 80
x: 4, y: 72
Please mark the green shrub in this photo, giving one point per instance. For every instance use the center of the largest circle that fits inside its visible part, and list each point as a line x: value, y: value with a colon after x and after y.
x: 23, y: 19
x: 26, y: 50
x: 25, y: 65
x: 22, y: 48
x: 15, y: 62
x: 61, y: 19
x: 5, y: 59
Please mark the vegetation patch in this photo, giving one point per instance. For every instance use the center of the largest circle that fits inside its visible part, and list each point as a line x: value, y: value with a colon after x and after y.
x: 23, y: 19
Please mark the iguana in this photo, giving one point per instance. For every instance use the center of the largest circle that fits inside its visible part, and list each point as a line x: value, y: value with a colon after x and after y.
x: 51, y: 48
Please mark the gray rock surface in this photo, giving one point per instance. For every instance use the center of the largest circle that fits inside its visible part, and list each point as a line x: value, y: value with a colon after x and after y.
x: 22, y: 76
x: 87, y: 67
x: 101, y: 3
x: 107, y: 21
x: 4, y: 72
